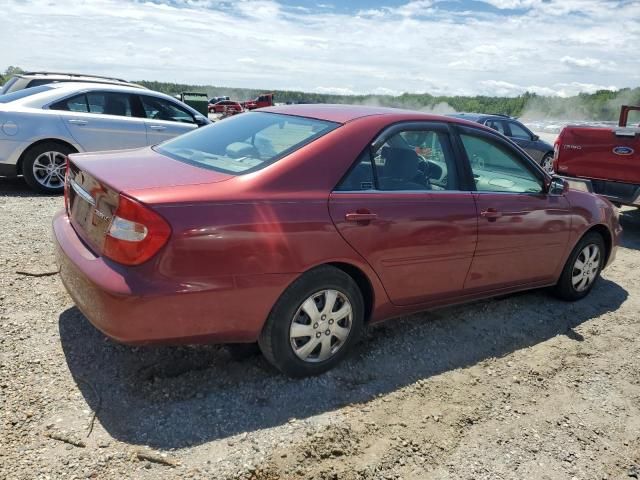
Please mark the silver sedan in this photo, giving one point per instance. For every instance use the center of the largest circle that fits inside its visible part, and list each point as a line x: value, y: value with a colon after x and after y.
x: 40, y: 126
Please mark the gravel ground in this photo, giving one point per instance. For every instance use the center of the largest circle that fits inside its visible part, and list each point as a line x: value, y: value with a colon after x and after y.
x: 519, y: 387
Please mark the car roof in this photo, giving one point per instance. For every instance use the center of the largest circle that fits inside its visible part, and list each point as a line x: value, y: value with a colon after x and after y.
x: 57, y: 89
x: 348, y: 113
x: 476, y: 117
x: 64, y: 86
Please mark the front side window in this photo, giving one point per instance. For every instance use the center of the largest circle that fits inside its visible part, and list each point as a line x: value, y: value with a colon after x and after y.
x: 416, y: 160
x: 498, y: 169
x: 411, y: 160
x: 161, y: 109
x: 519, y: 132
x: 245, y: 143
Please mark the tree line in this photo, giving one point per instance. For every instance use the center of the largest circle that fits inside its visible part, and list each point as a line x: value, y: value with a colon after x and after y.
x: 600, y: 105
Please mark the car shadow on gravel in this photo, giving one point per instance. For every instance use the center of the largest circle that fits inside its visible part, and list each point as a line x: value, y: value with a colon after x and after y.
x: 172, y: 397
x: 16, y: 187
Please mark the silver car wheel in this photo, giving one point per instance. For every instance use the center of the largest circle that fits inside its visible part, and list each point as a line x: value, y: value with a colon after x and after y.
x: 547, y: 165
x: 49, y: 169
x: 321, y: 326
x: 585, y: 268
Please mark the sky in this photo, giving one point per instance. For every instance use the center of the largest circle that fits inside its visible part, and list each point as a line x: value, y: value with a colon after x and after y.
x: 442, y: 47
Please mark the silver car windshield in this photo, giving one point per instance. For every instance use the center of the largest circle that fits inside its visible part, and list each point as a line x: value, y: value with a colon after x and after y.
x: 246, y: 142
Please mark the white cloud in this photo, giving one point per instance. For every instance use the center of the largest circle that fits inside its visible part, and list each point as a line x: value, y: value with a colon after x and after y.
x: 335, y: 90
x: 417, y: 47
x: 581, y: 62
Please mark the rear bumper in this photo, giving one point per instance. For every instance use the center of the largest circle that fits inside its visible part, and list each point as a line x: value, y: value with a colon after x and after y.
x: 139, y: 306
x: 10, y: 151
x: 616, y: 192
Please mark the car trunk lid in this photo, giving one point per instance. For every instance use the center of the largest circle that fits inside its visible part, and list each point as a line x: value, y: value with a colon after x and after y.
x: 96, y: 182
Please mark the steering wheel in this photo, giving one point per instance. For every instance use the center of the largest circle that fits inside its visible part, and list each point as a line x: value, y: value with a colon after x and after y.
x: 478, y: 160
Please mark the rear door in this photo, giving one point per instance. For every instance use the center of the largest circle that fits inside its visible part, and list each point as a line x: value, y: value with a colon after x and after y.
x: 522, y: 230
x: 402, y: 208
x: 102, y: 120
x: 165, y: 119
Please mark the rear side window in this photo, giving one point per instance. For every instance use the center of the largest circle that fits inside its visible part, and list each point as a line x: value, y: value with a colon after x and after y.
x: 497, y: 125
x: 77, y: 103
x: 7, y: 86
x: 245, y: 143
x: 110, y: 103
x: 360, y: 177
x: 41, y: 81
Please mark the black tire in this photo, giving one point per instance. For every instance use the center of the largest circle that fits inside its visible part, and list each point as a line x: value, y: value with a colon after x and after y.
x: 547, y: 158
x: 275, y: 342
x: 565, y: 288
x: 30, y: 157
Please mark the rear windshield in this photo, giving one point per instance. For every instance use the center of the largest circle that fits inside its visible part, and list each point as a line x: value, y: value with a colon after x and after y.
x: 246, y: 142
x: 6, y: 86
x: 25, y: 92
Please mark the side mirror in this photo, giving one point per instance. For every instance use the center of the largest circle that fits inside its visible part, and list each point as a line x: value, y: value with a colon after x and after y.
x: 201, y: 121
x: 535, y: 138
x: 557, y: 186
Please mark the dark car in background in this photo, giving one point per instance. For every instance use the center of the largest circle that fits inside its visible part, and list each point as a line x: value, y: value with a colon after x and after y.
x: 539, y: 150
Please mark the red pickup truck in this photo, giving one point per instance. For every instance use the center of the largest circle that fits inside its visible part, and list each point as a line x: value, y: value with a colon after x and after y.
x: 606, y: 159
x: 264, y: 100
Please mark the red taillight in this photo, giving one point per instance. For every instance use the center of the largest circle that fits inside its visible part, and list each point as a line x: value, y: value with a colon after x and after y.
x: 66, y: 186
x: 136, y: 233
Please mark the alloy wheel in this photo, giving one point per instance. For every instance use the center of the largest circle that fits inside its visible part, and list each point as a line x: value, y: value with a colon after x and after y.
x: 547, y: 165
x: 585, y: 268
x: 49, y: 169
x: 321, y: 326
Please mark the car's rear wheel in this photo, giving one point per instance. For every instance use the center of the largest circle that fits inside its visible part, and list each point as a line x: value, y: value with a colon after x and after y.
x: 44, y: 167
x: 547, y: 163
x: 582, y: 268
x: 314, y: 324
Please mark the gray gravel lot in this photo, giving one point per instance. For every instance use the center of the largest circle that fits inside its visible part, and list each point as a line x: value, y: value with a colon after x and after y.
x: 518, y: 387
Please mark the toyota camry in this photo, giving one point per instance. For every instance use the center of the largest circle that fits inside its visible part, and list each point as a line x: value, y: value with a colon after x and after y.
x: 296, y: 226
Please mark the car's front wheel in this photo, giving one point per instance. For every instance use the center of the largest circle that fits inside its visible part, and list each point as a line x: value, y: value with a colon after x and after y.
x: 547, y: 163
x: 44, y: 167
x: 582, y: 268
x: 314, y: 324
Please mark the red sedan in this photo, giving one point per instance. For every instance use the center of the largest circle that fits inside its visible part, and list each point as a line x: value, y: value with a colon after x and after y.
x: 225, y: 106
x: 296, y: 226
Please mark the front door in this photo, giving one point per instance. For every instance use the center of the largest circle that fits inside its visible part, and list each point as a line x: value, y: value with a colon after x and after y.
x: 165, y: 119
x: 522, y: 231
x: 524, y: 139
x: 401, y: 208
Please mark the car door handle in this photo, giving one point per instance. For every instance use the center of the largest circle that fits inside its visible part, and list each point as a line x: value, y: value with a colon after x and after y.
x: 157, y: 127
x: 75, y: 121
x: 490, y: 214
x: 360, y: 216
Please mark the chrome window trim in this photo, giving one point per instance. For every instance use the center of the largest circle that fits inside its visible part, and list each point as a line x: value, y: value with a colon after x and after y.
x: 82, y: 193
